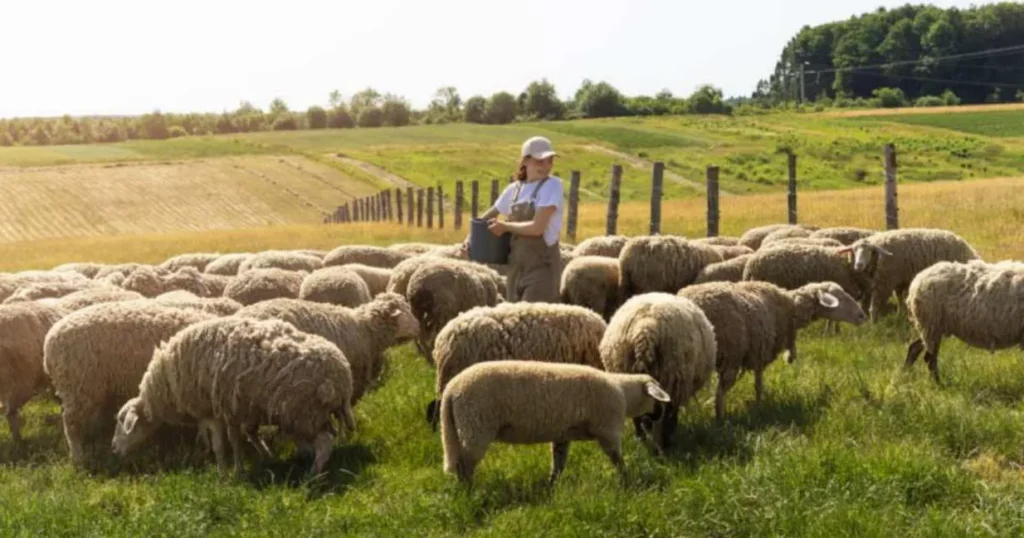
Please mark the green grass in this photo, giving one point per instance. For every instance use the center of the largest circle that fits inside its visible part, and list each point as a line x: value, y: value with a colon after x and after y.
x: 134, y: 150
x: 995, y: 123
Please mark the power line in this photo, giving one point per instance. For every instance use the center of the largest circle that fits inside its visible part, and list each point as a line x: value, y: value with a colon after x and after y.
x: 946, y: 81
x: 968, y: 55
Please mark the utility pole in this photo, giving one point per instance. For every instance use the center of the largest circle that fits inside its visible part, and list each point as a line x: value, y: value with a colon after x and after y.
x: 802, y: 64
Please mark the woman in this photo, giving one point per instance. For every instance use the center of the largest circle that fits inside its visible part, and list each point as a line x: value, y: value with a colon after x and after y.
x: 532, y: 206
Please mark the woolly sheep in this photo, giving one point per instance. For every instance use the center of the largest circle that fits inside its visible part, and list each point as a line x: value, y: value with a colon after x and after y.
x: 754, y: 321
x: 787, y: 232
x: 56, y: 289
x: 669, y: 338
x: 592, y: 281
x: 86, y: 269
x: 231, y: 375
x: 315, y: 252
x: 150, y: 282
x: 258, y: 285
x: 215, y: 284
x: 727, y: 271
x: 892, y: 258
x: 366, y: 255
x: 228, y: 264
x: 281, y: 259
x: 90, y: 296
x: 363, y: 334
x: 23, y: 328
x: 981, y: 304
x: 218, y: 306
x: 794, y: 265
x: 125, y: 269
x: 753, y: 237
x: 414, y: 248
x: 662, y: 263
x: 10, y: 283
x: 337, y: 285
x: 402, y: 273
x: 719, y: 240
x: 197, y: 260
x: 734, y: 251
x: 376, y: 278
x: 96, y: 357
x: 439, y: 292
x: 515, y: 331
x: 844, y: 234
x: 602, y: 245
x: 521, y: 402
x: 813, y: 241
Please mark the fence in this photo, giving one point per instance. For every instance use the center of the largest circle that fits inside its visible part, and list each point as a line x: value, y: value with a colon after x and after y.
x: 377, y: 207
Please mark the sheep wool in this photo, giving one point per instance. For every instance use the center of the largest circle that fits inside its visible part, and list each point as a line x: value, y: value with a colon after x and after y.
x: 255, y: 285
x: 727, y: 271
x: 791, y: 266
x: 337, y: 285
x: 152, y: 282
x: 592, y: 281
x: 376, y: 278
x: 228, y: 264
x: 719, y: 240
x: 56, y: 289
x: 844, y: 234
x: 753, y: 237
x: 366, y: 255
x: 602, y: 245
x: 90, y: 296
x: 438, y: 292
x: 662, y: 263
x: 197, y: 260
x: 23, y: 328
x: 86, y: 269
x: 281, y: 259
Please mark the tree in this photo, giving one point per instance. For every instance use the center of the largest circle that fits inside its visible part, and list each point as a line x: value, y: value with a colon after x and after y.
x: 153, y: 126
x: 316, y: 116
x: 339, y: 118
x: 599, y: 100
x: 707, y: 100
x: 447, y: 104
x: 501, y: 108
x: 395, y: 111
x: 542, y: 101
x: 371, y: 117
x: 475, y: 110
x: 368, y: 98
x: 334, y: 99
x: 277, y: 108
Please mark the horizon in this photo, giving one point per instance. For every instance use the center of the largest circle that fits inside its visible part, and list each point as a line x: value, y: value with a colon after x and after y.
x: 165, y: 67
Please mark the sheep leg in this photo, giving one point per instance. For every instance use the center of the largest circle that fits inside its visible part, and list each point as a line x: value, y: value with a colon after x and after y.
x: 12, y: 410
x: 913, y: 352
x: 668, y: 426
x: 216, y: 432
x: 322, y: 448
x: 559, y: 453
x: 758, y: 385
x: 253, y: 435
x: 726, y: 380
x: 638, y: 426
x: 931, y: 356
x: 613, y: 448
x: 234, y: 434
x: 73, y: 434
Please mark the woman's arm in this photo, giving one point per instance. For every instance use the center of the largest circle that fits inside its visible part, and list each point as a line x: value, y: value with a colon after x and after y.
x: 534, y: 228
x: 490, y: 213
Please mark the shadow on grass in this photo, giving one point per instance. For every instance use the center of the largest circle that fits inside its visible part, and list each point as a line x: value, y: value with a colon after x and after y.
x: 343, y: 468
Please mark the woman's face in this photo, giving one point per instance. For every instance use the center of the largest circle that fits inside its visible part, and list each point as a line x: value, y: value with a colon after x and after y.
x: 539, y: 168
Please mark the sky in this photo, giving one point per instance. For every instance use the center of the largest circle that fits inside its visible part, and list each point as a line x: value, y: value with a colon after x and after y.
x: 132, y: 57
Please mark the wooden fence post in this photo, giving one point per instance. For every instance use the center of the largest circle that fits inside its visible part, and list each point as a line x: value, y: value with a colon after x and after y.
x: 408, y: 195
x: 612, y: 218
x: 419, y: 208
x: 475, y: 200
x: 355, y: 210
x: 459, y: 202
x: 892, y: 220
x: 791, y: 164
x: 386, y: 195
x: 375, y: 202
x: 574, y: 202
x: 440, y: 208
x: 712, y: 175
x: 398, y: 203
x: 656, y: 181
x: 494, y: 192
x: 430, y: 207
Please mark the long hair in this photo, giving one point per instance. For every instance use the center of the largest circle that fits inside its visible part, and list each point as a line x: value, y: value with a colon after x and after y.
x: 521, y: 174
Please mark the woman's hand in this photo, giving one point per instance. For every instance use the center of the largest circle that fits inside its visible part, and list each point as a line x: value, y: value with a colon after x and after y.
x: 496, y: 227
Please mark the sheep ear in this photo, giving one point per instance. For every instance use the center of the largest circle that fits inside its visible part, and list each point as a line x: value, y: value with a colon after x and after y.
x: 827, y: 299
x: 130, y: 418
x: 656, y: 392
x: 845, y: 250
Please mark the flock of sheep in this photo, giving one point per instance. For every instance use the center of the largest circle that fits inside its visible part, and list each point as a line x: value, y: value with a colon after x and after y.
x: 293, y: 339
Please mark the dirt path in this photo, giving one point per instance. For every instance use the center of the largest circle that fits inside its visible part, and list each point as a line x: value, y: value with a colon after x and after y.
x: 375, y: 171
x: 637, y: 162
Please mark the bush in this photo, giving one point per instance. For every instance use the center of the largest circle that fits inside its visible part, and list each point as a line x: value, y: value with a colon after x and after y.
x: 501, y: 108
x: 475, y: 110
x: 176, y: 131
x: 599, y: 100
x: 395, y: 111
x: 285, y: 122
x: 929, y: 100
x: 889, y: 97
x: 950, y: 98
x: 371, y: 117
x: 339, y: 118
x: 316, y: 116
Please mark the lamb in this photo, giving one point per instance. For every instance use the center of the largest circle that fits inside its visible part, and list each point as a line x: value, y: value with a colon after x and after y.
x: 439, y: 292
x: 337, y: 285
x: 977, y: 302
x: 719, y: 240
x: 363, y: 334
x: 231, y: 375
x: 196, y: 260
x: 96, y: 357
x: 258, y: 285
x: 376, y: 278
x: 23, y: 328
x: 668, y: 337
x: 843, y: 234
x: 727, y: 271
x: 520, y: 402
x: 602, y: 245
x: 228, y: 264
x: 593, y: 282
x: 892, y: 258
x: 150, y: 282
x: 366, y: 255
x: 754, y: 321
x: 794, y: 265
x: 515, y: 331
x: 662, y: 263
x: 281, y: 259
x: 90, y: 296
x: 753, y: 237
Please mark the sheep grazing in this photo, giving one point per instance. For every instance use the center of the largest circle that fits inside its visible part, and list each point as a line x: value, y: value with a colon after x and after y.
x: 521, y: 402
x: 438, y: 292
x: 602, y: 245
x: 402, y: 273
x: 843, y: 234
x: 11, y: 283
x: 231, y: 375
x: 363, y: 334
x: 753, y: 237
x: 336, y: 285
x: 281, y: 259
x: 55, y: 289
x: 734, y: 251
x: 515, y: 331
x: 669, y: 338
x: 258, y: 285
x: 981, y: 304
x: 215, y: 284
x: 892, y: 258
x: 23, y: 328
x: 719, y: 241
x: 366, y: 255
x: 414, y: 248
x: 125, y: 269
x: 727, y: 271
x: 150, y: 282
x: 96, y: 356
x: 90, y: 296
x: 315, y: 252
x: 592, y: 282
x: 787, y: 232
x: 812, y: 241
x: 228, y: 264
x: 218, y: 306
x: 754, y: 321
x: 791, y: 266
x: 196, y: 260
x: 662, y: 263
x: 86, y: 269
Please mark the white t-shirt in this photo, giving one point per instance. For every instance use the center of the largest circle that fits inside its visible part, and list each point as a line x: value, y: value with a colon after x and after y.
x: 549, y: 195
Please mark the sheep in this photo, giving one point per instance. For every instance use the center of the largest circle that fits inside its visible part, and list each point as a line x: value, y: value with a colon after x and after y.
x: 366, y: 255
x: 787, y: 232
x: 843, y: 234
x: 592, y: 281
x: 90, y: 296
x: 402, y: 273
x: 794, y: 265
x: 215, y: 284
x: 754, y: 321
x: 520, y: 402
x: 719, y: 240
x: 668, y: 337
x: 892, y: 258
x: 813, y: 241
x: 363, y: 334
x: 55, y: 289
x: 753, y: 237
x: 727, y: 271
x: 337, y: 285
x: 150, y: 282
x: 734, y: 251
x: 315, y: 252
x: 515, y: 331
x: 978, y: 302
x: 439, y: 292
x: 125, y: 269
x: 231, y: 375
x: 414, y: 248
x: 11, y: 283
x: 218, y: 306
x: 96, y: 357
x: 661, y: 263
x: 197, y: 260
x: 228, y: 264
x: 258, y: 285
x: 281, y: 259
x: 602, y: 245
x: 86, y: 269
x: 376, y: 278
x: 23, y: 328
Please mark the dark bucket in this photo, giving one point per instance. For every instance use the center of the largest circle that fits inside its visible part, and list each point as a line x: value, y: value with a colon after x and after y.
x: 484, y: 247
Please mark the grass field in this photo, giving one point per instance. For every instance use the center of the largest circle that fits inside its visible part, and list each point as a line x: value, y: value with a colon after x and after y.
x: 843, y: 445
x: 994, y: 123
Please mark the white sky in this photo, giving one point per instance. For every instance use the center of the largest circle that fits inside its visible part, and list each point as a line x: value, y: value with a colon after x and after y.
x: 130, y: 57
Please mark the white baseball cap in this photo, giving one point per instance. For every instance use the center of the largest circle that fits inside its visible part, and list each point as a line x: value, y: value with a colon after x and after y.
x: 538, y: 147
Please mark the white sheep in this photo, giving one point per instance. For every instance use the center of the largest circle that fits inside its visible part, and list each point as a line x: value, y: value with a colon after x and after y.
x: 592, y: 282
x: 726, y: 271
x: 257, y: 285
x: 337, y: 285
x: 197, y: 260
x: 753, y: 237
x: 662, y: 263
x: 602, y: 245
x: 366, y: 255
x: 439, y: 292
x: 281, y: 259
x: 846, y: 235
x: 23, y: 329
x: 376, y: 278
x: 228, y: 264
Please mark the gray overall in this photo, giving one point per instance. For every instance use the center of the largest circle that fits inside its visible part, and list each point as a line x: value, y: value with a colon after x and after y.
x: 534, y: 267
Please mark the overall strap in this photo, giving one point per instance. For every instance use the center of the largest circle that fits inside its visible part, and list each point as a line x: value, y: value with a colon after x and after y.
x: 536, y: 191
x: 519, y: 187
